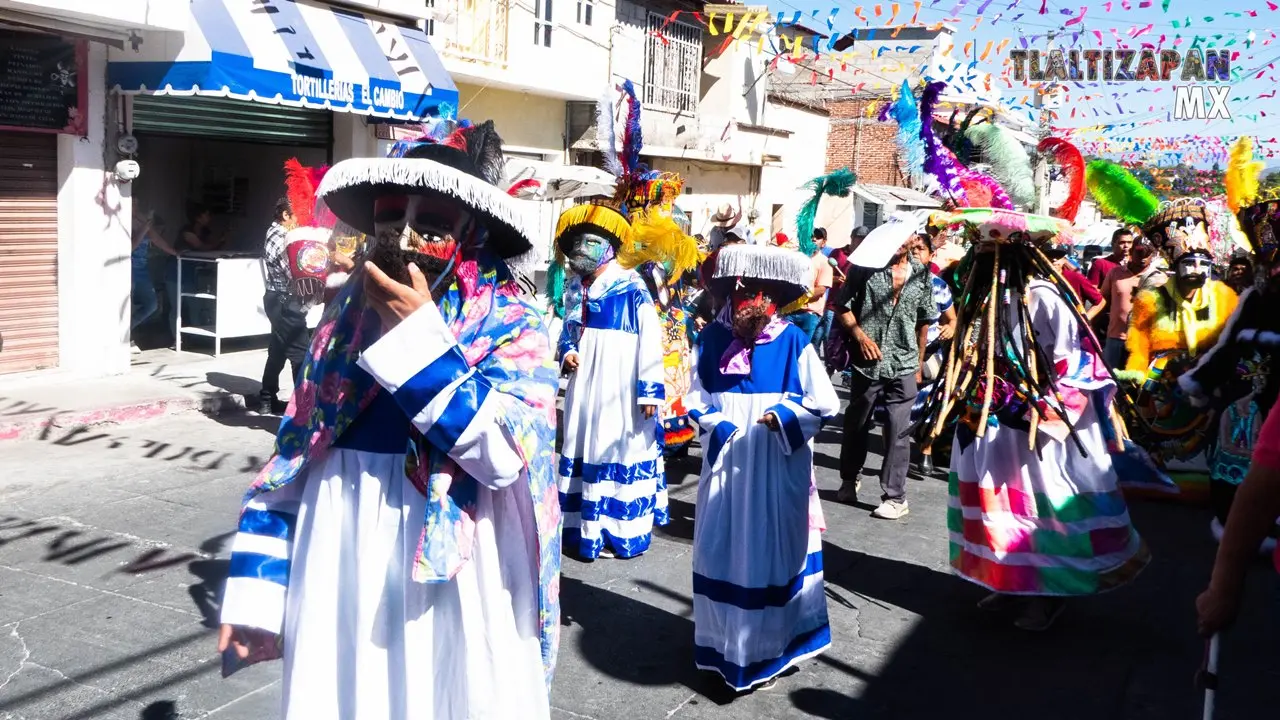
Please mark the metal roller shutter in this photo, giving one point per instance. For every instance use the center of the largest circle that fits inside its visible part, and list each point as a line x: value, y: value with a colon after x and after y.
x: 226, y: 119
x: 28, y: 251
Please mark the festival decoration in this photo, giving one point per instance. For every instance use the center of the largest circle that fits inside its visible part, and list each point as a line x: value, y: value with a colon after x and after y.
x: 906, y: 113
x: 938, y: 160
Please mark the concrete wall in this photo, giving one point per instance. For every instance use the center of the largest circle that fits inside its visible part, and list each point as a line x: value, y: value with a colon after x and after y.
x: 94, y: 225
x: 574, y: 67
x: 131, y: 14
x: 709, y: 185
x: 802, y: 157
x: 529, y: 124
x: 353, y: 137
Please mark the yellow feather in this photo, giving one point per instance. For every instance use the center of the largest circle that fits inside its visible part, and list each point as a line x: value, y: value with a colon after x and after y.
x: 655, y: 237
x: 1242, y: 175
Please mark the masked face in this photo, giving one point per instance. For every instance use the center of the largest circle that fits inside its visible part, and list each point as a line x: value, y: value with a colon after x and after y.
x: 1193, y: 271
x: 585, y: 252
x: 426, y: 230
x: 753, y: 309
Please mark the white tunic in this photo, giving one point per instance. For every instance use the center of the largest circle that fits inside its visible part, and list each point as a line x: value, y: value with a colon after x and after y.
x: 612, y: 488
x: 362, y: 640
x: 758, y: 601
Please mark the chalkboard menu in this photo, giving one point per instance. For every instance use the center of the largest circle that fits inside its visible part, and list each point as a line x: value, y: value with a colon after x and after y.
x: 39, y: 82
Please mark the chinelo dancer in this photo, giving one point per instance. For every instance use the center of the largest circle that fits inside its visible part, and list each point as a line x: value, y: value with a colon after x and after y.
x: 1236, y: 377
x: 760, y: 394
x: 1035, y: 513
x: 611, y: 473
x: 401, y: 549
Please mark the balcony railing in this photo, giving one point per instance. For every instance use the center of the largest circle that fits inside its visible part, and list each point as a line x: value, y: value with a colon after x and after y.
x: 471, y: 30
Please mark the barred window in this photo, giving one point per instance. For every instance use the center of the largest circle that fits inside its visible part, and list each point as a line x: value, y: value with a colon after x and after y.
x: 542, y: 23
x: 672, y: 64
x: 585, y: 8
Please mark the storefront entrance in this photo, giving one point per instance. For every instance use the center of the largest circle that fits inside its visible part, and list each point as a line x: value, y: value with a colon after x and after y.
x: 28, y: 251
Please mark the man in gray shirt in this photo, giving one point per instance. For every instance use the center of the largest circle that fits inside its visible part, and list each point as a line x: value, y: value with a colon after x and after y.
x: 888, y: 313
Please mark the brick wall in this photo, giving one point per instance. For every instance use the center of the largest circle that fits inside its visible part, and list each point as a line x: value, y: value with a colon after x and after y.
x: 862, y: 143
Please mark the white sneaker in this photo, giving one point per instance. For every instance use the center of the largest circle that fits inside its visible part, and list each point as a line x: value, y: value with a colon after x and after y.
x: 134, y: 349
x: 891, y: 510
x: 607, y: 553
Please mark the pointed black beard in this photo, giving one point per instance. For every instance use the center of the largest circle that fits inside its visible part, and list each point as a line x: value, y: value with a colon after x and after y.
x: 394, y: 260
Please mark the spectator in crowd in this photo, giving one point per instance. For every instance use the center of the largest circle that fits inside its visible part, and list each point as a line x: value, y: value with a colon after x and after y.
x: 1239, y: 274
x: 1119, y: 289
x: 1086, y: 292
x: 888, y: 318
x: 285, y: 312
x: 149, y: 233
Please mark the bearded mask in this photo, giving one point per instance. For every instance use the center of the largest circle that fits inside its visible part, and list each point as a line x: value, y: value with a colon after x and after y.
x: 1193, y: 270
x: 426, y: 230
x: 586, y: 251
x: 753, y: 309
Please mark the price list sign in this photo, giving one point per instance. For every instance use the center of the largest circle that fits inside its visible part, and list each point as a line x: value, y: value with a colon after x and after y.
x: 41, y: 83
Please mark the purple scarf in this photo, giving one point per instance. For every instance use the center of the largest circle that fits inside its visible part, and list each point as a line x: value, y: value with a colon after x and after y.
x: 737, y: 357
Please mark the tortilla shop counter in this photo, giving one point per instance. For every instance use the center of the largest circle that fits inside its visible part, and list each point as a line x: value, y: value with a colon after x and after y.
x: 221, y: 297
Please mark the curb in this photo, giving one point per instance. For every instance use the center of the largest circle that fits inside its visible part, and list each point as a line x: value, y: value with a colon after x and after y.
x: 37, y: 428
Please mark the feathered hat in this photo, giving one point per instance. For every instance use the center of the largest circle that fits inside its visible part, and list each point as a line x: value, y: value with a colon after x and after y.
x: 1003, y: 226
x: 460, y: 160
x: 789, y: 271
x: 610, y: 217
x: 1258, y: 213
x: 1180, y: 227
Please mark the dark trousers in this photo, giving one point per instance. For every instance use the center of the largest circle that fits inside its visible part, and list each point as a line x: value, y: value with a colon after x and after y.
x: 289, y: 341
x: 897, y: 394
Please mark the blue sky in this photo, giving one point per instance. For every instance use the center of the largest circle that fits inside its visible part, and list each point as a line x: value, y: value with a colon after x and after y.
x: 1111, y: 111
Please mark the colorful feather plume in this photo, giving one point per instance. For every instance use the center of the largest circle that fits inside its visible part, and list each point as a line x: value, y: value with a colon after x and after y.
x: 1119, y: 193
x: 526, y: 188
x: 1242, y: 175
x: 300, y: 187
x: 657, y: 238
x: 1071, y: 163
x: 838, y: 183
x: 632, y: 139
x: 607, y: 134
x: 982, y: 190
x: 938, y: 160
x: 555, y: 285
x: 1009, y: 161
x: 907, y: 114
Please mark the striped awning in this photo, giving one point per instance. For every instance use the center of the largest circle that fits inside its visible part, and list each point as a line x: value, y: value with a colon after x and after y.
x: 290, y: 52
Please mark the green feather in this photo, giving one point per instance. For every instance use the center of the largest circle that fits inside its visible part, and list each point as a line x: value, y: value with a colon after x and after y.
x: 1009, y: 162
x: 838, y: 183
x: 555, y: 288
x: 1119, y: 193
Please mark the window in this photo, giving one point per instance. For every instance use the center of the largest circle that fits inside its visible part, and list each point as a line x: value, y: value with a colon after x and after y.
x: 429, y: 25
x: 870, y: 215
x: 542, y: 23
x: 584, y: 11
x: 672, y: 64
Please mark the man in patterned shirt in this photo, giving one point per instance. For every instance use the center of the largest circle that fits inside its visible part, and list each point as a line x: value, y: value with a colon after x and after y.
x: 288, y: 316
x: 888, y: 319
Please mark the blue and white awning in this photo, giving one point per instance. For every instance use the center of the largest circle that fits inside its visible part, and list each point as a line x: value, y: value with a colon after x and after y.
x: 290, y: 52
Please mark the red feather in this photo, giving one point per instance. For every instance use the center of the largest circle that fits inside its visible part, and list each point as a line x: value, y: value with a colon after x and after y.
x: 456, y: 139
x: 301, y: 190
x: 1071, y: 161
x: 526, y: 184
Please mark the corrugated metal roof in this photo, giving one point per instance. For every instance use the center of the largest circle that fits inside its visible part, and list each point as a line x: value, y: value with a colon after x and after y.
x: 892, y: 195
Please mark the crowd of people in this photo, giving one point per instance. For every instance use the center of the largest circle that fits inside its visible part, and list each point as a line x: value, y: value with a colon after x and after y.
x: 401, y: 550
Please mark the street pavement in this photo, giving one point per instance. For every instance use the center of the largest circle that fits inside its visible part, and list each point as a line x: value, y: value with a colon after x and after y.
x: 114, y: 544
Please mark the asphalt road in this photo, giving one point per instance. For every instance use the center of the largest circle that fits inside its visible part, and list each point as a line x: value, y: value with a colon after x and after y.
x: 114, y: 543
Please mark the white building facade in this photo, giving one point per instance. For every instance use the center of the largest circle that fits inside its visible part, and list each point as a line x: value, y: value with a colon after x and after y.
x: 209, y: 97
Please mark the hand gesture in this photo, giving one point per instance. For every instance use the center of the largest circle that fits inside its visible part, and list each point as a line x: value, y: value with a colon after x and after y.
x: 571, y: 363
x: 244, y: 640
x: 648, y: 410
x: 870, y: 350
x: 341, y: 262
x: 946, y: 331
x: 770, y: 420
x: 1215, y: 610
x: 392, y: 300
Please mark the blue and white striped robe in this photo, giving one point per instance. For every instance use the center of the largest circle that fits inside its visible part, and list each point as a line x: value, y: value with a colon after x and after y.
x: 758, y: 602
x: 612, y: 487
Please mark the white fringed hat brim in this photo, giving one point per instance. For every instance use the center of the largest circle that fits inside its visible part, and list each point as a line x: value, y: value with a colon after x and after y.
x: 761, y: 262
x: 350, y: 188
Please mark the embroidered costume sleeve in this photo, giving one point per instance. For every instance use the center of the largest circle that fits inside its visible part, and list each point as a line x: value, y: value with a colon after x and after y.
x: 650, y: 375
x: 802, y: 416
x: 260, y: 555
x: 452, y: 404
